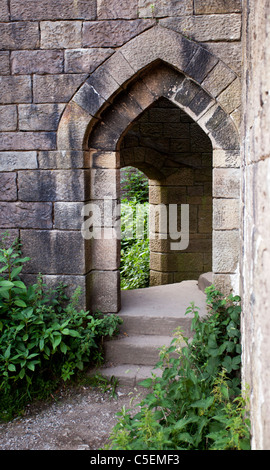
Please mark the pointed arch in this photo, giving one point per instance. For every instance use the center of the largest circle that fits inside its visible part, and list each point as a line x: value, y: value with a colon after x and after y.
x: 157, y: 63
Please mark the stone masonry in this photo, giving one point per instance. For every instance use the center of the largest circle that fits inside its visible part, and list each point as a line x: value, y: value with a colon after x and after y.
x: 77, y: 80
x: 75, y: 76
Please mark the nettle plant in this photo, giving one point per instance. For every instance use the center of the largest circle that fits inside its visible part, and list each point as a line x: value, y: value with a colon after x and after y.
x: 44, y: 337
x: 197, y: 403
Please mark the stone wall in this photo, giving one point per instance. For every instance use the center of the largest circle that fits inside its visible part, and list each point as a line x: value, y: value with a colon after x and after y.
x: 255, y: 193
x: 62, y: 63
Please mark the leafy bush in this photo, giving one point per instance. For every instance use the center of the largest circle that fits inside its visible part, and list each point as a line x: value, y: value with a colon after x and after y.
x: 44, y: 338
x: 196, y: 404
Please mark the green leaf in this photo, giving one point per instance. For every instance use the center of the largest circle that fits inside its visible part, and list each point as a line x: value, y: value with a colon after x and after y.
x: 16, y: 271
x: 31, y: 365
x: 20, y: 303
x: 204, y: 403
x: 22, y: 374
x: 63, y: 348
x: 12, y: 368
x: 6, y: 284
x: 20, y: 285
x: 7, y: 352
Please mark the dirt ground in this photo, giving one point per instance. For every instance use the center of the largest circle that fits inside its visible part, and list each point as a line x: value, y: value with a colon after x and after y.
x: 80, y: 419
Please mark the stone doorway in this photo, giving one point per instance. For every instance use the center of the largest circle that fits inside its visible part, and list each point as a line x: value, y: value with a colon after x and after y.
x: 176, y: 155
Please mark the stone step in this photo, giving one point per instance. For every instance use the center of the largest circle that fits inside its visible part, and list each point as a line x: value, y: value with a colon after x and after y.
x: 129, y: 374
x: 205, y: 280
x: 149, y: 317
x: 135, y: 349
x: 159, y: 310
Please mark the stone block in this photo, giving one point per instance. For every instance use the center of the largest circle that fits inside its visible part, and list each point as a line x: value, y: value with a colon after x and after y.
x: 105, y: 183
x: 216, y: 6
x: 39, y: 117
x: 226, y: 158
x: 226, y: 183
x: 163, y: 262
x: 8, y: 187
x: 186, y: 92
x: 4, y: 63
x: 117, y: 9
x: 54, y: 185
x: 206, y: 27
x: 225, y: 283
x: 229, y: 52
x: 159, y: 279
x: 72, y: 282
x: 68, y: 215
x: 220, y: 128
x: 105, y: 294
x: 165, y: 45
x: 205, y: 219
x: 147, y: 8
x: 10, y: 161
x: 189, y: 262
x: 218, y: 79
x: 15, y: 89
x: 25, y: 215
x: 4, y: 11
x: 199, y: 140
x: 52, y: 10
x: 162, y: 81
x: 73, y: 126
x: 28, y: 141
x: 226, y: 214
x: 105, y: 254
x: 104, y: 138
x: 118, y: 67
x: 8, y: 118
x: 201, y: 64
x: 53, y: 251
x: 230, y: 98
x: 85, y: 60
x: 114, y: 33
x: 226, y: 247
x: 89, y: 99
x: 182, y: 177
x: 8, y: 236
x: 125, y: 111
x: 63, y: 159
x: 60, y: 34
x: 40, y: 62
x: 106, y: 160
x: 19, y: 35
x: 163, y: 195
x: 103, y: 83
x: 56, y: 88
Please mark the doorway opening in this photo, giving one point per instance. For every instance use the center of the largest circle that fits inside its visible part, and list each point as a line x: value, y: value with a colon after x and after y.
x: 165, y: 147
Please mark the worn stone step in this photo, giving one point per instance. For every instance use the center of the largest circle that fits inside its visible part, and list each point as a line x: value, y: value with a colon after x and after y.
x: 136, y: 349
x: 159, y: 310
x: 129, y: 374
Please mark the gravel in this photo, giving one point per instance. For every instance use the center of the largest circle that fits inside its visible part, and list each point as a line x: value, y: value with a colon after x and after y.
x: 80, y: 419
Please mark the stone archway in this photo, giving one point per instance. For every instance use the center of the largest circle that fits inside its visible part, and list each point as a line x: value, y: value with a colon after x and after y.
x: 157, y: 63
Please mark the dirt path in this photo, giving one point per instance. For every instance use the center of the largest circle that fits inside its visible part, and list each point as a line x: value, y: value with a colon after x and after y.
x: 80, y: 420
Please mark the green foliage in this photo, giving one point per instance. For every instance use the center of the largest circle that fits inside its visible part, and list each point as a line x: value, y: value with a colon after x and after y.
x: 45, y: 337
x: 135, y: 185
x: 135, y: 254
x: 197, y: 403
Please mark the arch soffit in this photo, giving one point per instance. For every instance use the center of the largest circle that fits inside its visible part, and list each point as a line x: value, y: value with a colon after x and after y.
x: 185, y: 73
